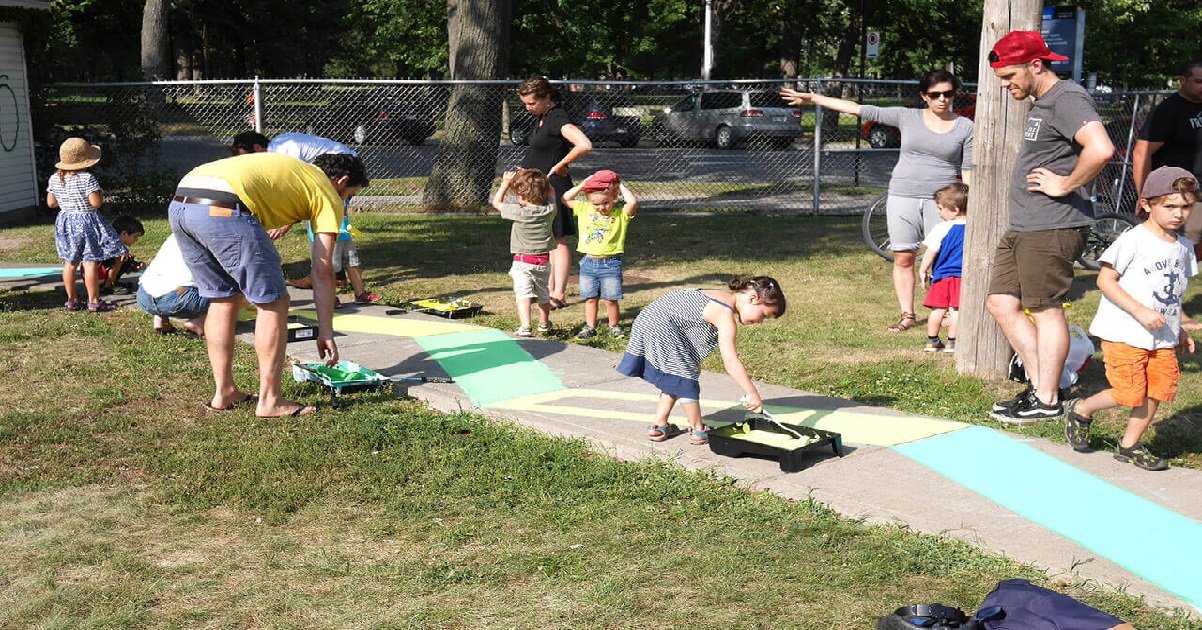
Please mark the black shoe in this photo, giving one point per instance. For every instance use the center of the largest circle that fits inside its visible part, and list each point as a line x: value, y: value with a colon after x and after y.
x: 1140, y: 456
x: 1030, y: 410
x: 1005, y: 405
x: 1076, y: 427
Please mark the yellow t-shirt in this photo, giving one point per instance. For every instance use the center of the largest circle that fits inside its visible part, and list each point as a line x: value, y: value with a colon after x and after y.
x: 600, y: 234
x: 278, y: 189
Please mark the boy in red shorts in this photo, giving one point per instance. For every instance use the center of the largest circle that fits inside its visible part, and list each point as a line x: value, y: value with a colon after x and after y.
x: 942, y: 265
x: 1142, y: 279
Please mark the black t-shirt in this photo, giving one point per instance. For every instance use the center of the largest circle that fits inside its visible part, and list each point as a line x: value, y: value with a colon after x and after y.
x: 547, y: 144
x: 1178, y: 124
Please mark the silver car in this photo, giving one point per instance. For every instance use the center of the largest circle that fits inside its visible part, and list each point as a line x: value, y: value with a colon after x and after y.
x: 728, y: 118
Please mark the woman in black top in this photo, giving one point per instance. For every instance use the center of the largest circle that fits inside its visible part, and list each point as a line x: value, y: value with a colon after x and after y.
x: 554, y: 144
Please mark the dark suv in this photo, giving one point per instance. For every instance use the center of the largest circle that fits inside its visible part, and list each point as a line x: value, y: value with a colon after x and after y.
x: 602, y: 117
x: 728, y: 118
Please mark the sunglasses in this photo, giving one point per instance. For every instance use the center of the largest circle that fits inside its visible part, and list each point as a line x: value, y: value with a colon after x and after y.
x: 948, y: 94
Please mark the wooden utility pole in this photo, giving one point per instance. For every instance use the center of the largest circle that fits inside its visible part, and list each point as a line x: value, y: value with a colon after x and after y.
x: 981, y: 349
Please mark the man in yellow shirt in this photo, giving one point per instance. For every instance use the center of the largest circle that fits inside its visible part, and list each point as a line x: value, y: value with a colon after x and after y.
x: 220, y: 215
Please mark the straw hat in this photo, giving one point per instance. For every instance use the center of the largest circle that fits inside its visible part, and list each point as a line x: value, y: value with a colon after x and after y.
x: 76, y: 153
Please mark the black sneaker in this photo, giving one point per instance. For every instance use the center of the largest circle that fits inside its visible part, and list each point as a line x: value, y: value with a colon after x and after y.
x: 1005, y: 405
x: 1076, y: 427
x: 1029, y: 410
x: 1140, y: 456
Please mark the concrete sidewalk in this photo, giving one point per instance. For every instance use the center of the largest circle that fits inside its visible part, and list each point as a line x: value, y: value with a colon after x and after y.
x: 1033, y: 500
x: 1036, y: 501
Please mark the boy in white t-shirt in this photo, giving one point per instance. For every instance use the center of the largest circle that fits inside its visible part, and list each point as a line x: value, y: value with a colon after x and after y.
x: 1142, y: 279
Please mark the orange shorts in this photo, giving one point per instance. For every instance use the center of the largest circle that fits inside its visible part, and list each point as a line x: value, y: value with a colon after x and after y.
x: 1135, y: 374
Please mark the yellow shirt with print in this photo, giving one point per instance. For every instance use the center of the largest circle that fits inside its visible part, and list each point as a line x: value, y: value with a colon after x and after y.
x: 278, y: 189
x: 600, y: 234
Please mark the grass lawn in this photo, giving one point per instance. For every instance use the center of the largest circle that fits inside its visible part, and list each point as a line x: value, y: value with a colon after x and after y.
x: 124, y: 504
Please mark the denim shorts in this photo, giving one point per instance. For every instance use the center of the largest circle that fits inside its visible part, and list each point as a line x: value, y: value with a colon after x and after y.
x: 185, y: 305
x: 601, y: 276
x: 228, y: 252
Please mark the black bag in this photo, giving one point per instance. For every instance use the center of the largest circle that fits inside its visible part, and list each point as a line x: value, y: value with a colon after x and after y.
x: 926, y: 617
x: 1012, y: 605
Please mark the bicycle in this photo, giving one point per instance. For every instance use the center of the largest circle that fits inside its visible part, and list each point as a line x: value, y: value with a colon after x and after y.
x: 1105, y: 230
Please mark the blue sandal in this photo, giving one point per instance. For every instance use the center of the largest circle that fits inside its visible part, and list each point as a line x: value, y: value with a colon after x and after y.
x: 659, y: 433
x: 699, y: 437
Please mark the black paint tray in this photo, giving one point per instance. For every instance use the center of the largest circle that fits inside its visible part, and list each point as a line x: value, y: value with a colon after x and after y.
x: 759, y: 435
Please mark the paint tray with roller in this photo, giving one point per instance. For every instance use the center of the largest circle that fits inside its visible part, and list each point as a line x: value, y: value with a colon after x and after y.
x: 761, y: 434
x: 342, y: 377
x: 445, y: 307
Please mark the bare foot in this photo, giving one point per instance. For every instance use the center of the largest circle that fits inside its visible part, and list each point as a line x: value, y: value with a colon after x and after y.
x: 232, y: 402
x: 285, y: 410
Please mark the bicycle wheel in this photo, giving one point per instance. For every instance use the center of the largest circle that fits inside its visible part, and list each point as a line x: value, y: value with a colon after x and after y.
x: 1105, y: 230
x: 875, y: 228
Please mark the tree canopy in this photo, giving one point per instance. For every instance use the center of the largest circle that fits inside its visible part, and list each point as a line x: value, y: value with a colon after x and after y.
x: 1131, y: 43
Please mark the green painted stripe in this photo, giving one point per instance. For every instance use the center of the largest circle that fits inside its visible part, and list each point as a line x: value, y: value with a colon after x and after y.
x: 489, y: 365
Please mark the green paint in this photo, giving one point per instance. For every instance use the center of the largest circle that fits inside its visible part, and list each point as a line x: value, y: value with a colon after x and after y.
x: 489, y: 365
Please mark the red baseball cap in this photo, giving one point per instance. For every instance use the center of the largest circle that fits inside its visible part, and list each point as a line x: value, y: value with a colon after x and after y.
x: 1019, y: 47
x: 601, y: 180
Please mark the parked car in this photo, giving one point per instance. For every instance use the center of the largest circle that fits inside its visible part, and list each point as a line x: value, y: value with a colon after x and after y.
x: 728, y: 118
x: 602, y: 117
x: 881, y: 136
x: 410, y: 115
x: 400, y: 119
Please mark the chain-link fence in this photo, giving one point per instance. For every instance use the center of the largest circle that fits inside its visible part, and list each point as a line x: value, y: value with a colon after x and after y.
x: 683, y: 145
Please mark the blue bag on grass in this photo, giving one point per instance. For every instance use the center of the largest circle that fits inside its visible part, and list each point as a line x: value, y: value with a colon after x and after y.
x: 1025, y: 606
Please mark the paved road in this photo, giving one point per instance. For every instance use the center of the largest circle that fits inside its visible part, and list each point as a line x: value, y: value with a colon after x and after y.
x: 648, y: 163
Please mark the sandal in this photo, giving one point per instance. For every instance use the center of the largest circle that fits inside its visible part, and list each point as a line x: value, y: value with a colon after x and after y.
x: 74, y: 305
x: 658, y: 433
x: 557, y: 304
x: 699, y: 437
x: 904, y: 323
x: 103, y: 306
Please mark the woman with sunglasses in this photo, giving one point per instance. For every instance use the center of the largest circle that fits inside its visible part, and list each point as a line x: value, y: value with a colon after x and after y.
x: 936, y: 150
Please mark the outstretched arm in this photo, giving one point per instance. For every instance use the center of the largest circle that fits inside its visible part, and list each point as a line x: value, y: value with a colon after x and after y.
x: 793, y: 97
x: 724, y: 320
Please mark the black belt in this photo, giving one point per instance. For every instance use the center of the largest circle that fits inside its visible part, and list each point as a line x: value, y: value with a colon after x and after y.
x: 232, y: 205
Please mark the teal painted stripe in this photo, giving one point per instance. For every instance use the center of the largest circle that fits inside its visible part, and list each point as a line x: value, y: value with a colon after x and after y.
x: 489, y: 365
x: 31, y: 272
x: 1146, y: 538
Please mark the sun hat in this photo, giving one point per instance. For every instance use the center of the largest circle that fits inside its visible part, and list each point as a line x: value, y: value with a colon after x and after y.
x: 1160, y: 181
x: 76, y: 154
x: 601, y: 180
x: 1019, y: 47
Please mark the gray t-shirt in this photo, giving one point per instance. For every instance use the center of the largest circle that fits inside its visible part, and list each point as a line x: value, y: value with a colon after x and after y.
x: 1054, y: 119
x: 929, y: 160
x: 531, y: 232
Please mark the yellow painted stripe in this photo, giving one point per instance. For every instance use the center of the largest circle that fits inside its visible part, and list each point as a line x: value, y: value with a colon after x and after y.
x: 394, y: 326
x: 855, y: 427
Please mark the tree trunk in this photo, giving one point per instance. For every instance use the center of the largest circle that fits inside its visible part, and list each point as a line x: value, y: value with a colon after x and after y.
x: 464, y: 169
x: 981, y: 349
x: 154, y: 40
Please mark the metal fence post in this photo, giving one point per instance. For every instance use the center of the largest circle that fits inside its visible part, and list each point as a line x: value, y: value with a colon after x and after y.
x: 258, y: 98
x: 1127, y: 153
x: 817, y: 150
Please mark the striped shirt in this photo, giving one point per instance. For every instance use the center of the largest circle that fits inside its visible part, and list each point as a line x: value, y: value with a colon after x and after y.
x: 72, y: 190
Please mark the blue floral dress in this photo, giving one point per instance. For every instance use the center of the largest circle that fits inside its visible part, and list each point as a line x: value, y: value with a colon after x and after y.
x: 81, y: 234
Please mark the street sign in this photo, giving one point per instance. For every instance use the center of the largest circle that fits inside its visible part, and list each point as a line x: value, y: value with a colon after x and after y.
x: 1063, y: 29
x: 872, y: 44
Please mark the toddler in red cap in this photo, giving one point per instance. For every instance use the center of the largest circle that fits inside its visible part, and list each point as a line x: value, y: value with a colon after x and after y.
x: 602, y: 240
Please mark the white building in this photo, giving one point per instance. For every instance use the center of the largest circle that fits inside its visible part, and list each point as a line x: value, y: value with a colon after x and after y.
x: 19, y: 191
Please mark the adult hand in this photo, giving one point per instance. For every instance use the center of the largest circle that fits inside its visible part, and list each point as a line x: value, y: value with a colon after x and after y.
x: 278, y: 233
x: 793, y: 97
x: 1149, y: 318
x: 327, y: 349
x: 1045, y: 181
x: 560, y: 169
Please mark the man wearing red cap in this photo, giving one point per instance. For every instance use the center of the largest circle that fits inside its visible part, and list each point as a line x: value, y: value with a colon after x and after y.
x: 1064, y: 147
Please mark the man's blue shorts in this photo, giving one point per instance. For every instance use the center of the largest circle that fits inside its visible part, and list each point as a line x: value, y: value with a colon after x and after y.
x: 601, y: 276
x: 227, y: 250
